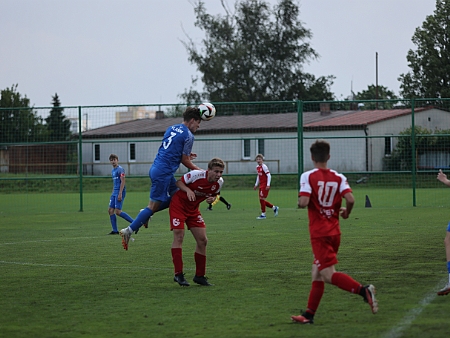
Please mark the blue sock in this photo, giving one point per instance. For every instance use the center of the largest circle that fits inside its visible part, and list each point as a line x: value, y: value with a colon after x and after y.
x: 141, y: 218
x: 113, y: 219
x: 448, y: 267
x: 126, y: 217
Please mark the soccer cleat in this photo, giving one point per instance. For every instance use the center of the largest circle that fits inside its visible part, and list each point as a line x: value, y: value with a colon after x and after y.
x: 179, y: 278
x: 113, y: 233
x: 202, y: 280
x: 228, y: 206
x: 275, y: 211
x: 261, y: 217
x: 209, y: 209
x: 302, y: 319
x: 370, y: 297
x: 445, y: 291
x: 126, y: 235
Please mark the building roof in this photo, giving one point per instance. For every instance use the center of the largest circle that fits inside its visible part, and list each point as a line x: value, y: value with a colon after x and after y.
x: 283, y: 122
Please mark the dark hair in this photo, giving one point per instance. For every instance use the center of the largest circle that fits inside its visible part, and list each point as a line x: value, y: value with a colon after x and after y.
x: 216, y: 162
x: 191, y: 113
x: 113, y: 156
x: 320, y: 151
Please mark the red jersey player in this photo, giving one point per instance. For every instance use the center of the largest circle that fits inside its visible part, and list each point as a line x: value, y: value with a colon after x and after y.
x: 263, y: 181
x: 322, y: 190
x: 195, y: 187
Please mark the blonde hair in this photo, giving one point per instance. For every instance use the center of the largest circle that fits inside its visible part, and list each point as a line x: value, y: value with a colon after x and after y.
x: 216, y: 162
x: 261, y: 156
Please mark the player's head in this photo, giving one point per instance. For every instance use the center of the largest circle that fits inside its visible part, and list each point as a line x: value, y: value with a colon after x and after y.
x: 114, y: 159
x: 259, y: 158
x: 191, y: 113
x: 192, y: 119
x: 215, y: 169
x: 320, y: 151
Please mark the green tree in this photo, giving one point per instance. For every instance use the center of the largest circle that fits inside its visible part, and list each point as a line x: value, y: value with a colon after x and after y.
x: 429, y: 76
x: 18, y: 122
x: 254, y: 54
x: 58, y: 125
x: 374, y: 93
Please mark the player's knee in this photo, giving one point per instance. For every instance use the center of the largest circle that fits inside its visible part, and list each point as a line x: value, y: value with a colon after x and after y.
x: 118, y: 212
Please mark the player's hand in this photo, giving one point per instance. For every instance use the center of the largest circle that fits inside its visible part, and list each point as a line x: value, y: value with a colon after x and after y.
x: 268, y: 187
x: 192, y: 156
x: 343, y: 212
x: 254, y: 188
x: 210, y: 199
x: 441, y: 176
x: 191, y: 195
x: 119, y: 197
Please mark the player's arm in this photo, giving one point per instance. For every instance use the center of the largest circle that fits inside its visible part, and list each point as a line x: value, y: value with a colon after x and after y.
x: 186, y: 161
x: 443, y: 178
x: 122, y: 185
x: 256, y: 183
x: 183, y: 187
x: 303, y: 201
x: 269, y: 178
x: 349, y: 203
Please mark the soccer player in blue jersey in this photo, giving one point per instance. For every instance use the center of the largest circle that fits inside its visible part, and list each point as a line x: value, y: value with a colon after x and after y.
x: 446, y: 289
x: 118, y: 194
x: 175, y: 148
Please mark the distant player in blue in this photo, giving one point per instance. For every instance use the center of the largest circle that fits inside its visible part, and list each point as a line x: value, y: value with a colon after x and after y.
x: 118, y: 194
x: 175, y: 148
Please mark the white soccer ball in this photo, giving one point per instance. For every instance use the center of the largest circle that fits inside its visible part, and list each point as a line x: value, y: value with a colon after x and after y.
x: 207, y: 111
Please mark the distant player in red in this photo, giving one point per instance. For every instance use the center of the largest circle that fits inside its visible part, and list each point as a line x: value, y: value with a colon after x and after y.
x: 263, y: 181
x: 322, y: 190
x: 195, y: 187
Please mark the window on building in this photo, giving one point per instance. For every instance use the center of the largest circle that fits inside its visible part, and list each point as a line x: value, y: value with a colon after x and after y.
x: 261, y: 146
x: 246, y: 149
x: 132, y: 152
x: 96, y: 152
x: 387, y: 146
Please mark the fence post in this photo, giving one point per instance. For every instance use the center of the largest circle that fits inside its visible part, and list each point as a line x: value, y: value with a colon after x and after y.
x: 80, y: 157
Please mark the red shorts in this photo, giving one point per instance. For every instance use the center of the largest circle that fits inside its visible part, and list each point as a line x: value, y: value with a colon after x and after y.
x: 325, y: 251
x: 263, y: 193
x: 179, y: 217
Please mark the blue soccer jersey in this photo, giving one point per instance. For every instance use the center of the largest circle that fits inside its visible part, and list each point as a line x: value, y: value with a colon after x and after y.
x: 177, y: 140
x: 116, y: 174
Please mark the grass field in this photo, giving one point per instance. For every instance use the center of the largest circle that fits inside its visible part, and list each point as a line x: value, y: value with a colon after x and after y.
x: 62, y: 276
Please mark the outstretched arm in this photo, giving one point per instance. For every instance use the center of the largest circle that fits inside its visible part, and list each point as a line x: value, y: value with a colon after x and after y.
x: 443, y: 178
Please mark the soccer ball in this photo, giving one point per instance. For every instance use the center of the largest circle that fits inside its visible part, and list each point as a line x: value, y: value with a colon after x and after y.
x: 207, y: 111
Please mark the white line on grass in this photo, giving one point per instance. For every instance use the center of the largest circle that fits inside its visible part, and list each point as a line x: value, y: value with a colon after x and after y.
x: 407, y: 320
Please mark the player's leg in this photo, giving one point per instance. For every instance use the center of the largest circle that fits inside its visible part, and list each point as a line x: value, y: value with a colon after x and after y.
x: 224, y: 201
x: 326, y: 254
x: 262, y: 203
x: 446, y: 289
x: 118, y: 209
x: 315, y: 296
x: 177, y: 256
x: 112, y: 216
x: 199, y: 234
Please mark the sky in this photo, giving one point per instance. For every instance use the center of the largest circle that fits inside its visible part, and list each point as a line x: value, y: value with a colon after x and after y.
x: 129, y: 52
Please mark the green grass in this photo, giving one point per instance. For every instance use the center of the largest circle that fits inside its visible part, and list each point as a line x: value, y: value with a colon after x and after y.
x: 62, y: 276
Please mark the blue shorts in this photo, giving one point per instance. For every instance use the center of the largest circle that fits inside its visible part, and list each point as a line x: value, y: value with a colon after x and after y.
x: 163, y: 185
x: 448, y: 227
x: 114, y: 203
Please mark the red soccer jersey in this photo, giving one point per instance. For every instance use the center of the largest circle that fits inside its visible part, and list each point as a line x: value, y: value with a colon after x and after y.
x: 262, y: 171
x: 325, y: 188
x: 197, y: 181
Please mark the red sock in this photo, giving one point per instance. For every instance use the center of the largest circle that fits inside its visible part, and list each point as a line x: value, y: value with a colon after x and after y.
x: 345, y: 282
x: 200, y: 264
x: 177, y: 259
x: 263, y: 205
x: 268, y: 204
x: 315, y: 295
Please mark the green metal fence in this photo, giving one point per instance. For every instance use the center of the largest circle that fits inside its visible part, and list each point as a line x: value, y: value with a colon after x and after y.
x: 385, y: 148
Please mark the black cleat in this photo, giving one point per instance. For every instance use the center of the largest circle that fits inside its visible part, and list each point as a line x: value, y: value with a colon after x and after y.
x: 228, y: 206
x: 179, y: 278
x: 113, y: 233
x: 202, y: 280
